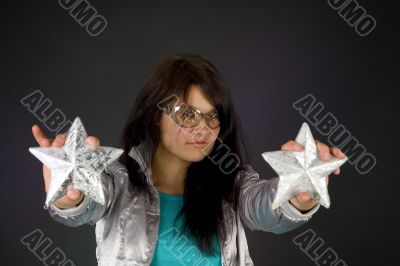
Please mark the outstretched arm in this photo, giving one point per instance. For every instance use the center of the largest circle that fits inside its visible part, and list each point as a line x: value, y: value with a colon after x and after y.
x: 255, y: 205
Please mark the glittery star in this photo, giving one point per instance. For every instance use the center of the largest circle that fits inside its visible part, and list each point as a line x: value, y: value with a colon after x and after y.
x: 302, y: 171
x: 76, y: 164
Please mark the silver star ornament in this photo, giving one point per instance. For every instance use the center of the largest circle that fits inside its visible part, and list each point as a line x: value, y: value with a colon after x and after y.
x: 76, y: 165
x: 302, y: 171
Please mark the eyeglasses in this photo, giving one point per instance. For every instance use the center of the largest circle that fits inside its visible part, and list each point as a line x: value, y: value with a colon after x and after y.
x: 187, y: 116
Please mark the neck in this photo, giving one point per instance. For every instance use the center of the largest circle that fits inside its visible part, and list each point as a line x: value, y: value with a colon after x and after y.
x: 168, y: 171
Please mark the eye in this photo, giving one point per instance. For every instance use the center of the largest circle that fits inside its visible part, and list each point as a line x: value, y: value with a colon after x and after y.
x: 187, y: 113
x: 213, y: 114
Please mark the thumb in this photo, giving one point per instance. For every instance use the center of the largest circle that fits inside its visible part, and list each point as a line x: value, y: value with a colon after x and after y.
x: 73, y: 194
x: 304, y: 197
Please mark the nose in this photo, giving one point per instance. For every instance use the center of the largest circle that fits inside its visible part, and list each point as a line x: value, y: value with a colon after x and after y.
x: 203, y: 123
x: 202, y: 130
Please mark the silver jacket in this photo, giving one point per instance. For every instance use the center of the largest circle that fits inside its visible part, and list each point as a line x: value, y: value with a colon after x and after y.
x: 127, y: 227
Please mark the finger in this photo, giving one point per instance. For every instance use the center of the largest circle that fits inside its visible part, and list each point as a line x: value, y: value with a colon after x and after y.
x: 40, y: 137
x: 93, y: 141
x: 59, y: 141
x: 324, y: 151
x: 337, y: 171
x: 291, y: 145
x: 338, y: 153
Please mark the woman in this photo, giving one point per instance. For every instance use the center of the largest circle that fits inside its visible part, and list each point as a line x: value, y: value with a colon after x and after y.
x: 182, y: 190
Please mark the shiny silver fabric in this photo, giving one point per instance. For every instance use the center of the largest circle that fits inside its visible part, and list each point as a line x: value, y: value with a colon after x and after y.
x: 127, y: 227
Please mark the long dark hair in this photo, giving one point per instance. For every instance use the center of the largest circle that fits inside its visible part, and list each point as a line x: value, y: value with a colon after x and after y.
x: 206, y: 182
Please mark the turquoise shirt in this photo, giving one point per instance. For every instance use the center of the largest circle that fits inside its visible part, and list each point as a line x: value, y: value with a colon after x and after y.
x: 173, y: 248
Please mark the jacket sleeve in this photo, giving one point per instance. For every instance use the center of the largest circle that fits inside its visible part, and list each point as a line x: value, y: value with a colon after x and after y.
x: 89, y: 211
x: 255, y: 200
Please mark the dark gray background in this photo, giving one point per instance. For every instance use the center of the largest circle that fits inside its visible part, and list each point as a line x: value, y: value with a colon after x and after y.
x: 271, y: 54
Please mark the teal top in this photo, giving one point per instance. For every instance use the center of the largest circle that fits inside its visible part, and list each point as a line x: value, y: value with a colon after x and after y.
x: 173, y: 247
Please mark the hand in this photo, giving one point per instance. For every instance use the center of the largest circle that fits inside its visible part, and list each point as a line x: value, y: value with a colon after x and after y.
x: 73, y: 196
x: 303, y: 201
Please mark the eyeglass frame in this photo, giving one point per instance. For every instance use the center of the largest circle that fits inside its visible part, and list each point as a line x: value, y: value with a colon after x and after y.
x: 171, y: 110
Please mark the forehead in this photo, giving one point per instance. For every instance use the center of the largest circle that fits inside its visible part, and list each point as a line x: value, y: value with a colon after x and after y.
x: 198, y: 100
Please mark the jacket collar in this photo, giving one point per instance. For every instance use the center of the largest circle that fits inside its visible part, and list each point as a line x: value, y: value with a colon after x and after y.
x: 142, y: 154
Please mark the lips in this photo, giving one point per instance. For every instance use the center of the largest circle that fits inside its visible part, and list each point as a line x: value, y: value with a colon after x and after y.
x: 199, y: 143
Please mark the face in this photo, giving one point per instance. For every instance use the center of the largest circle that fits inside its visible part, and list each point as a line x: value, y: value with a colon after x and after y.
x: 189, y: 144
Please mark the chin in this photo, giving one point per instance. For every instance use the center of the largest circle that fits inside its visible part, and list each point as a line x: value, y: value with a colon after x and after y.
x: 197, y: 159
x: 195, y: 156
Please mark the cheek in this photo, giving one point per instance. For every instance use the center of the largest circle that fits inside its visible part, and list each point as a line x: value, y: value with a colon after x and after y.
x: 213, y: 138
x: 171, y: 133
x: 215, y: 133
